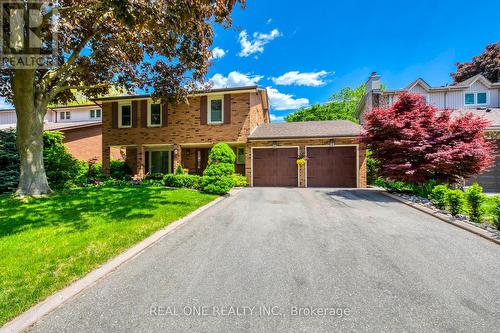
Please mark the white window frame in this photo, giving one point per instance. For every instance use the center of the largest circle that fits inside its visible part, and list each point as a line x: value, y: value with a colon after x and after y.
x: 149, y: 114
x: 120, y: 105
x: 475, y: 93
x: 95, y: 114
x: 209, y: 109
x: 65, y: 115
x: 100, y: 113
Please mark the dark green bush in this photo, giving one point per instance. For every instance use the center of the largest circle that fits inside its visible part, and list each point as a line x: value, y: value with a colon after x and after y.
x: 217, y: 177
x: 117, y: 170
x: 187, y: 181
x: 372, y: 168
x: 495, y: 211
x: 9, y: 161
x: 217, y: 185
x: 475, y: 199
x: 455, y: 201
x: 239, y: 180
x: 422, y: 190
x: 179, y: 170
x: 154, y: 176
x: 438, y: 196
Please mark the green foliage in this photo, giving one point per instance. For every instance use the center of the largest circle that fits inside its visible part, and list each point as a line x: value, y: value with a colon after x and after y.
x: 239, y: 180
x: 217, y: 185
x: 9, y: 161
x: 187, y: 181
x: 372, y: 168
x: 217, y: 177
x: 495, y: 211
x: 179, y: 170
x: 117, y: 170
x: 438, y: 196
x: 221, y: 153
x: 422, y: 190
x: 475, y: 199
x: 154, y: 176
x: 455, y: 201
x: 342, y: 105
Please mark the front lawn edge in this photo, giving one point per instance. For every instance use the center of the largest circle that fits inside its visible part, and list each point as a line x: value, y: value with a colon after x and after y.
x: 43, y: 308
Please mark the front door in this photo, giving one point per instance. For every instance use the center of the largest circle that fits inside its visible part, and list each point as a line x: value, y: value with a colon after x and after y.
x: 201, y: 160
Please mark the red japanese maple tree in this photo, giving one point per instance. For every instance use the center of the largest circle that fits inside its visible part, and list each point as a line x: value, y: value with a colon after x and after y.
x: 416, y: 142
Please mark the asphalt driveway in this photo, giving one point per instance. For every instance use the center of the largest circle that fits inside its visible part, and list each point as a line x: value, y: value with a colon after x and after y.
x: 299, y: 260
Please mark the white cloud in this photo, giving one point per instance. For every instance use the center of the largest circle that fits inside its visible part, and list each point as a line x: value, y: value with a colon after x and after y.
x: 281, y: 101
x: 311, y: 79
x: 256, y: 45
x: 277, y: 118
x: 218, y: 53
x: 234, y: 79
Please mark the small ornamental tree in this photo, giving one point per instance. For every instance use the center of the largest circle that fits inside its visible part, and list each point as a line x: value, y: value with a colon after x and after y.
x: 416, y: 142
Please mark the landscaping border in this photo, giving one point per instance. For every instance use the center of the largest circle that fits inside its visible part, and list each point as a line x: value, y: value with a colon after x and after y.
x: 475, y: 230
x: 43, y: 308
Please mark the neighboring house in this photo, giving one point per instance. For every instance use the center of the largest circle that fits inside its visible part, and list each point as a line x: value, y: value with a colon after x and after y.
x: 80, y: 124
x: 477, y: 95
x: 158, y: 138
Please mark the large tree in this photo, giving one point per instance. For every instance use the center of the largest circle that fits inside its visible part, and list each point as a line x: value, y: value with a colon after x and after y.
x: 415, y: 142
x: 487, y: 63
x: 158, y: 46
x: 342, y: 105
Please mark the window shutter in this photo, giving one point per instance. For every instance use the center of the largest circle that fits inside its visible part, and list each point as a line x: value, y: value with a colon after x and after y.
x: 164, y: 115
x: 114, y: 115
x: 227, y: 109
x: 135, y: 113
x: 144, y: 113
x: 203, y: 110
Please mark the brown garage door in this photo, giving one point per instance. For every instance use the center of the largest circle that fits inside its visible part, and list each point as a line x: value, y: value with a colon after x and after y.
x: 331, y: 167
x: 490, y: 179
x: 275, y: 167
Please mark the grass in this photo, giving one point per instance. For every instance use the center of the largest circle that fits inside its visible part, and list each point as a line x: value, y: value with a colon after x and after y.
x: 47, y: 243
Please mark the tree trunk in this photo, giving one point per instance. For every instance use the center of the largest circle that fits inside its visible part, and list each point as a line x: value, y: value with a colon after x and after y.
x: 30, y: 111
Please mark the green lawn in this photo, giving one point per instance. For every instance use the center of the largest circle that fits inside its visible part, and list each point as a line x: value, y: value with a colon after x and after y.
x: 46, y: 243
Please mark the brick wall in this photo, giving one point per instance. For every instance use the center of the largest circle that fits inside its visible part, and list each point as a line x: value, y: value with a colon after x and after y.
x: 85, y: 143
x: 302, y: 144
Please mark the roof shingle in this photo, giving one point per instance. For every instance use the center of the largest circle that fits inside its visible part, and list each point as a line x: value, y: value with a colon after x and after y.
x: 307, y: 129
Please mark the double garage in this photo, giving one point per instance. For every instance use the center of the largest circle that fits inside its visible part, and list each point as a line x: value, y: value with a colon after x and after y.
x: 333, y: 159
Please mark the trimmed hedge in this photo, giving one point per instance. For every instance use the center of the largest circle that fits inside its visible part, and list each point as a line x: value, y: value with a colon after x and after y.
x: 438, y: 196
x: 187, y: 181
x: 239, y: 180
x: 475, y: 199
x: 455, y: 201
x: 496, y: 211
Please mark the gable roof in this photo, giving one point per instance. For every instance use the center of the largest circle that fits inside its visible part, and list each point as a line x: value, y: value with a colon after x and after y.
x: 306, y: 129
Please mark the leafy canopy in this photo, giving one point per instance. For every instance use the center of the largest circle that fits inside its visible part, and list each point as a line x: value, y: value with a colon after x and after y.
x: 414, y: 142
x: 487, y: 64
x: 342, y: 105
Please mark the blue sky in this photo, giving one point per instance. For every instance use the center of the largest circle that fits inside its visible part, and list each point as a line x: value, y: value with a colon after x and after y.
x: 305, y: 53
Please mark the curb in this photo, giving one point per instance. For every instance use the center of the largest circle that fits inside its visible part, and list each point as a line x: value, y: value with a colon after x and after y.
x: 43, y: 308
x: 475, y: 230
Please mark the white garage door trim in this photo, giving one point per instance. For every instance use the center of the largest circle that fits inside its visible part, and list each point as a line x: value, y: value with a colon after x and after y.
x: 333, y: 146
x: 271, y: 147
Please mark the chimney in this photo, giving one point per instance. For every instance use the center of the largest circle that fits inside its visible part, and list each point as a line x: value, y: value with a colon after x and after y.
x: 373, y: 83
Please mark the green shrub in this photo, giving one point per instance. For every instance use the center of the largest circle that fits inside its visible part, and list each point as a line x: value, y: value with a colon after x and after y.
x: 239, y: 180
x: 117, y: 170
x: 217, y: 185
x: 438, y: 196
x: 154, y: 176
x: 475, y: 199
x: 424, y: 190
x: 455, y: 201
x: 9, y: 161
x: 217, y: 177
x: 394, y: 186
x: 495, y: 211
x: 187, y: 181
x: 221, y: 153
x: 372, y: 168
x: 179, y: 170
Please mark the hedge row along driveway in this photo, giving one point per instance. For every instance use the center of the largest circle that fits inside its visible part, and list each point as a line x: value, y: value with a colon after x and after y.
x: 47, y: 243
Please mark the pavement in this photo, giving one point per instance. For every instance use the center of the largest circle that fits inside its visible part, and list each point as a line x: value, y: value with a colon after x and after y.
x: 299, y: 260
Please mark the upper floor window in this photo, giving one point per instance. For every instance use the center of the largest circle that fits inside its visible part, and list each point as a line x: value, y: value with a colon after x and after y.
x: 125, y: 115
x: 95, y: 113
x: 154, y: 115
x: 215, y: 110
x: 64, y: 115
x: 476, y: 98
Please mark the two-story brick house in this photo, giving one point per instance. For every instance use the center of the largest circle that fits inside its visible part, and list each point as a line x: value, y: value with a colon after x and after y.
x: 476, y: 94
x: 159, y: 137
